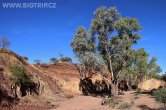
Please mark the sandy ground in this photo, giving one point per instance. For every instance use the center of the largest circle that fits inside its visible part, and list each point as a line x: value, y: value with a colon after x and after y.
x: 137, y: 102
x: 82, y: 103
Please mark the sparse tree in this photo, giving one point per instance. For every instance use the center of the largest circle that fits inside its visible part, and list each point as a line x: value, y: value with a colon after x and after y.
x: 4, y: 42
x: 66, y: 59
x: 37, y: 61
x: 53, y: 61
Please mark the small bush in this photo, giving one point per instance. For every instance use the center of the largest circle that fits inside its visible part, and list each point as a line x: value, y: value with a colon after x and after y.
x: 20, y: 75
x: 66, y: 59
x: 160, y: 95
x: 22, y: 78
x: 124, y: 105
x: 111, y: 102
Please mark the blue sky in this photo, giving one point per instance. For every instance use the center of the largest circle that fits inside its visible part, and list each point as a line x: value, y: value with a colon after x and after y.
x: 43, y: 33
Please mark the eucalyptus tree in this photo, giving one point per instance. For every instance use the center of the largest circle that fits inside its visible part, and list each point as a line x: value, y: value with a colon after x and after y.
x: 111, y: 37
x: 114, y: 37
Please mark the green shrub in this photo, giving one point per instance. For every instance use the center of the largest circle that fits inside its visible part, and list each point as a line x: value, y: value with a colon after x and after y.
x: 22, y: 78
x: 20, y: 75
x: 160, y: 95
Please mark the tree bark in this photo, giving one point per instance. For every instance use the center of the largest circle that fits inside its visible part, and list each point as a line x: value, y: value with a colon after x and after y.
x: 114, y: 86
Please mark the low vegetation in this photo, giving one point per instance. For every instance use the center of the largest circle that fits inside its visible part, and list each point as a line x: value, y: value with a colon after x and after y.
x: 66, y: 60
x: 111, y: 102
x: 21, y: 78
x: 124, y: 106
x: 20, y: 75
x: 160, y: 95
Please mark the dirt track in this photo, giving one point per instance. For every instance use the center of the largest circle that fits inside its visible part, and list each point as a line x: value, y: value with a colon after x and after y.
x: 139, y: 102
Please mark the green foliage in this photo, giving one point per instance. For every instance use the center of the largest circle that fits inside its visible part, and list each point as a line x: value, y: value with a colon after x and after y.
x: 81, y: 42
x: 138, y: 67
x: 160, y: 95
x: 121, y: 44
x: 91, y: 59
x: 153, y: 68
x: 20, y: 75
x: 101, y: 30
x: 111, y: 39
x: 23, y: 79
x: 4, y: 42
x: 53, y: 60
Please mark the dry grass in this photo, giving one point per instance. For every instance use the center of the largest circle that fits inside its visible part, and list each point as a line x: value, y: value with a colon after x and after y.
x: 124, y: 106
x: 111, y: 102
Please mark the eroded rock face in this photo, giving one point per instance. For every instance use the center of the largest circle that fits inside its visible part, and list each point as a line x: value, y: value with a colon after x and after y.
x: 93, y: 86
x: 151, y: 84
x: 1, y: 73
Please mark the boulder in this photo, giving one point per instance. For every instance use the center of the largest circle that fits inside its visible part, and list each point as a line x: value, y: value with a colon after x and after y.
x: 151, y: 84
